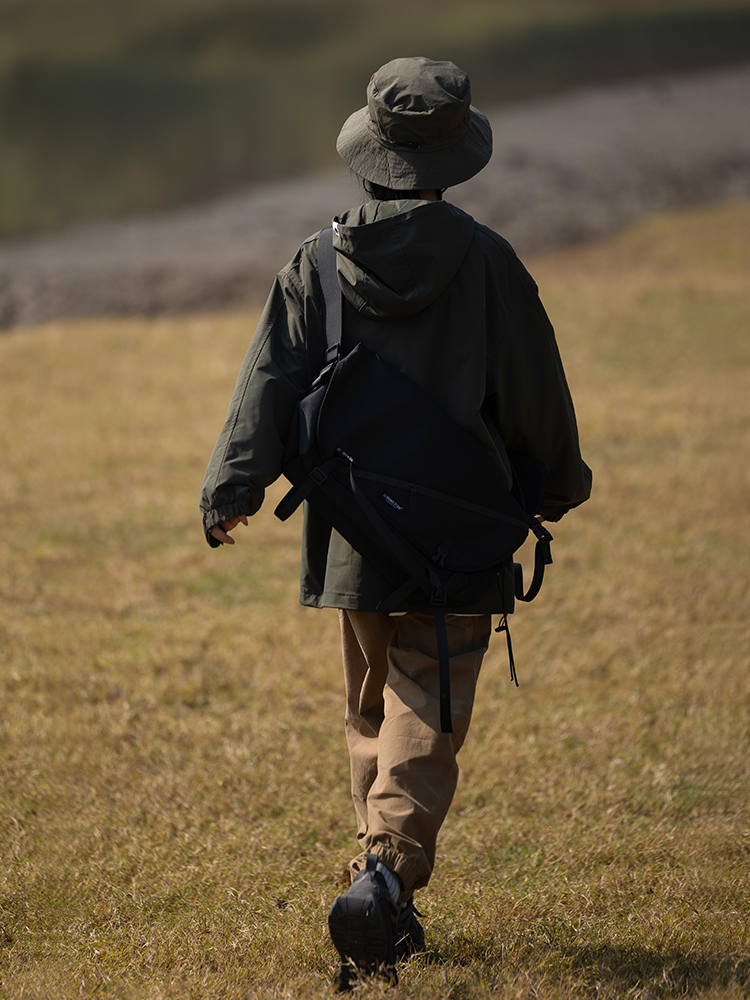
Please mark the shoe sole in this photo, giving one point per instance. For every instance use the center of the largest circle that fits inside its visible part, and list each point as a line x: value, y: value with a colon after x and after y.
x: 362, y: 934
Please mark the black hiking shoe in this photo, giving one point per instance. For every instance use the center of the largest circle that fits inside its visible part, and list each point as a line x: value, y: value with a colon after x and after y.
x: 362, y: 924
x: 409, y: 931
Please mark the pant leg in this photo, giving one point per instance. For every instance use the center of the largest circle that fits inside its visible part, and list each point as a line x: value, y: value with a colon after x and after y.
x: 365, y: 654
x: 404, y: 769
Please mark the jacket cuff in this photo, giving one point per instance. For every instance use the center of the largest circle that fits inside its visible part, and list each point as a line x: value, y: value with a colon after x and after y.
x: 213, y: 517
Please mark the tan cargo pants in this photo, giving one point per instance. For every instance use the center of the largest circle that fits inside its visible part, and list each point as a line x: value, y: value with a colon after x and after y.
x: 403, y: 768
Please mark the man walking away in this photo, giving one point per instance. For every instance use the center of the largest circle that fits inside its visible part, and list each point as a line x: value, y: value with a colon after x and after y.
x: 446, y: 301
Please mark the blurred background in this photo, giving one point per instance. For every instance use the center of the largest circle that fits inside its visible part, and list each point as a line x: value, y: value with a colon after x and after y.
x: 114, y: 107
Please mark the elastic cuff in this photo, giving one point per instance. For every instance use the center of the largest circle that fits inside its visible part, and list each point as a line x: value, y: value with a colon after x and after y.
x: 213, y: 517
x: 413, y: 875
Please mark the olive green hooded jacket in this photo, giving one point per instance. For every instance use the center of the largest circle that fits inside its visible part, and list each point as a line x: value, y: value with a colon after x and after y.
x: 446, y: 301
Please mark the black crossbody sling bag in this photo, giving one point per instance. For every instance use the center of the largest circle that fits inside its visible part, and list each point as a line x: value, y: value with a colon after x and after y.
x: 413, y: 493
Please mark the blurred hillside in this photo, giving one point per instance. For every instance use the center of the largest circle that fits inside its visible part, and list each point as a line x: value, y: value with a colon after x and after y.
x: 566, y: 169
x: 129, y: 105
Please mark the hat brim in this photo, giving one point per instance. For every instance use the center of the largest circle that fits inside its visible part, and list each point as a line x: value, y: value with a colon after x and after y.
x: 414, y: 169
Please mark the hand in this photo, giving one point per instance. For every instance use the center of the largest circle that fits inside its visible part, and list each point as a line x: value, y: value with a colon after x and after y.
x: 219, y: 531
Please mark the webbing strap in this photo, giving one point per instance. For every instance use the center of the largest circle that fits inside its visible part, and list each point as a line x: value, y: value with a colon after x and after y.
x: 542, y: 558
x: 396, y: 598
x: 497, y: 515
x: 329, y: 282
x: 291, y: 500
x: 505, y: 627
x: 441, y: 634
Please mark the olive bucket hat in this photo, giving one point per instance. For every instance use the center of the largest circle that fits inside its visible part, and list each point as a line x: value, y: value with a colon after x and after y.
x: 419, y: 129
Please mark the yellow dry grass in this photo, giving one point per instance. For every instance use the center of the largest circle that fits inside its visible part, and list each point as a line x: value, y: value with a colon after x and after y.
x: 174, y: 817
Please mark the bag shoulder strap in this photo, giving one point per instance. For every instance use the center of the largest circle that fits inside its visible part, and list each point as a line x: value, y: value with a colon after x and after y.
x: 329, y: 282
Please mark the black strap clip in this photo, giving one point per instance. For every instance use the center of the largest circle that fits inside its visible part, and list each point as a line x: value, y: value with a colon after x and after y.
x: 503, y: 626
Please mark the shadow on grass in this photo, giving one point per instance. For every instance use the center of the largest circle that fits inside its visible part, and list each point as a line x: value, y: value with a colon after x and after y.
x: 617, y: 969
x: 661, y: 973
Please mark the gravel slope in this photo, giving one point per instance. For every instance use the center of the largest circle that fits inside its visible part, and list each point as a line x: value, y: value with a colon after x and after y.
x: 565, y: 169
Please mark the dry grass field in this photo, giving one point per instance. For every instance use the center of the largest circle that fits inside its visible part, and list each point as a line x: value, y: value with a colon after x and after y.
x: 174, y: 815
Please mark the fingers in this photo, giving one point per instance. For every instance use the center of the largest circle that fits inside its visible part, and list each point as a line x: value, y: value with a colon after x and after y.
x: 233, y: 522
x: 221, y: 536
x: 219, y: 531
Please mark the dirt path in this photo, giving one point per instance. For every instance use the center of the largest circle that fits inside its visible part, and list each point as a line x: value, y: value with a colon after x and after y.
x: 565, y: 169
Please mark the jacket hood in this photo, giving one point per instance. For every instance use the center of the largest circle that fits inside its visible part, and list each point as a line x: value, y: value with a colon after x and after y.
x: 395, y: 258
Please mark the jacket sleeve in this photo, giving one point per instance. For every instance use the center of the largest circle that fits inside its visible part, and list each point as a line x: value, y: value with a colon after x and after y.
x: 274, y: 376
x: 533, y: 405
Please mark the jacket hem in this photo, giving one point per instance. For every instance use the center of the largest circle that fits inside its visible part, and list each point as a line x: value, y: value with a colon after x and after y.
x: 492, y: 604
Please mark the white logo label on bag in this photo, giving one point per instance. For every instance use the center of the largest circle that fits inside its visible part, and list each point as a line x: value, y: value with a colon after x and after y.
x: 392, y: 502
